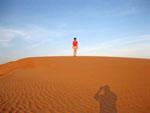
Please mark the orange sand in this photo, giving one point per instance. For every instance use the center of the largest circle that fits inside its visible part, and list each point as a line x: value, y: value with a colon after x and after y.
x: 68, y: 84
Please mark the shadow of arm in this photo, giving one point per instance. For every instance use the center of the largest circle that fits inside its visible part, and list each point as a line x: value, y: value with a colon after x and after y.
x: 98, y: 96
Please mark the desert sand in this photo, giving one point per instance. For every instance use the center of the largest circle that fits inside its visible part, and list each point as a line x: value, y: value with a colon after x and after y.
x: 69, y: 84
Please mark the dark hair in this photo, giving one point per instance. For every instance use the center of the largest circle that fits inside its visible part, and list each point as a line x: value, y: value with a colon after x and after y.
x: 75, y: 38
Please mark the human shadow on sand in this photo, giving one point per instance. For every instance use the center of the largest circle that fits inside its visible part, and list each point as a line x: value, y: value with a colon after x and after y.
x: 107, y: 100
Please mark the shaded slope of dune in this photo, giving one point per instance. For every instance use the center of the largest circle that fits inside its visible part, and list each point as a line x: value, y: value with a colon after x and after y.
x: 68, y: 84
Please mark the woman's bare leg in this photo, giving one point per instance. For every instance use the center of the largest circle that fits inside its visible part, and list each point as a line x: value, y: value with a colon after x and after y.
x: 74, y: 52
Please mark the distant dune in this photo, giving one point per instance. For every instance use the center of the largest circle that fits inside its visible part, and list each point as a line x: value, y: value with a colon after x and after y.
x: 69, y: 85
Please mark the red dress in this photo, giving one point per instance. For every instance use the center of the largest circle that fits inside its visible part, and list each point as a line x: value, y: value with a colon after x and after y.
x: 75, y: 43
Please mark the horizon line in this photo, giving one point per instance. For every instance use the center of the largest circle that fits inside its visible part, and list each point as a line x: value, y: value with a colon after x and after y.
x: 81, y: 56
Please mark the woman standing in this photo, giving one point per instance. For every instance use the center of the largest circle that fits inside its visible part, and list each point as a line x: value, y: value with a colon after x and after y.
x: 75, y: 46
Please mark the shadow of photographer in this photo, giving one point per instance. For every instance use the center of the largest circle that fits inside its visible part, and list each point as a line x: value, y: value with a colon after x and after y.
x: 107, y: 100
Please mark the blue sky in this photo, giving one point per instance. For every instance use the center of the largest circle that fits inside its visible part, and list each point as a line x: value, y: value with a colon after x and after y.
x: 47, y: 27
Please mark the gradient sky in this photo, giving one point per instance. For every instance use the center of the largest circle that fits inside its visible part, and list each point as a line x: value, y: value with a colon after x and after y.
x: 47, y: 27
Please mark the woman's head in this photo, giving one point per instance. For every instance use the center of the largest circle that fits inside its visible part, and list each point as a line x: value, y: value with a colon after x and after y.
x: 75, y: 38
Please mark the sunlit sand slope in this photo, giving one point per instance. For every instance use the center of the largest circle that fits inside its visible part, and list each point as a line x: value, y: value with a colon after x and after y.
x: 69, y: 84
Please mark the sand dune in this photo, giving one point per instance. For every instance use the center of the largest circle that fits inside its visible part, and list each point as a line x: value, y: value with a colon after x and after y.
x: 69, y: 85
